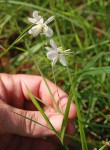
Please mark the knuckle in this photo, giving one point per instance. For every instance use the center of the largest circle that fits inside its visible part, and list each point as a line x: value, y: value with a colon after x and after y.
x: 30, y: 125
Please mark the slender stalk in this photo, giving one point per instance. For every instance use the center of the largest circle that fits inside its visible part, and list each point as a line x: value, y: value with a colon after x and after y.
x: 55, y: 104
x: 81, y: 128
x: 56, y: 25
x: 59, y: 100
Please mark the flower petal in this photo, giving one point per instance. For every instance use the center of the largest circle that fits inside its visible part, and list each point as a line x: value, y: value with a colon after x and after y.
x: 35, y: 15
x: 35, y: 30
x: 52, y: 55
x: 53, y: 44
x: 62, y: 60
x: 40, y: 20
x: 49, y: 48
x: 31, y: 20
x: 49, y: 20
x: 47, y: 31
x: 54, y: 60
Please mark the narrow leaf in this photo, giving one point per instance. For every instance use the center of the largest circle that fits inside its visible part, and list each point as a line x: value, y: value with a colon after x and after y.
x: 42, y: 112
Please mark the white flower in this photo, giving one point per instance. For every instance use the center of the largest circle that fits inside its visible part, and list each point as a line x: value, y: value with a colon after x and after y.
x: 40, y: 25
x: 55, y: 53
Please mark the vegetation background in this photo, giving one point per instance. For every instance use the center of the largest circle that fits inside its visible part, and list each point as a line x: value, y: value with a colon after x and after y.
x: 82, y: 26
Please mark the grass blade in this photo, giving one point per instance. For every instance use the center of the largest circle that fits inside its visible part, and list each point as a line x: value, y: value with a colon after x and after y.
x: 104, y: 146
x: 16, y: 41
x: 42, y: 112
x: 30, y: 119
x: 65, y: 119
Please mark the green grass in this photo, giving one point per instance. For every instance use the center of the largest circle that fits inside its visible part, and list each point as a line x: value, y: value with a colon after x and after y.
x: 83, y: 27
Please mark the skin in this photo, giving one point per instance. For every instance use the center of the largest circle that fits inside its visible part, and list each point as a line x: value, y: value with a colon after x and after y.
x: 17, y: 132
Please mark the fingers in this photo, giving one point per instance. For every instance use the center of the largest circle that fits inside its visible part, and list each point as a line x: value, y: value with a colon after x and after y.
x: 70, y: 130
x: 38, y: 87
x: 16, y: 124
x: 15, y: 92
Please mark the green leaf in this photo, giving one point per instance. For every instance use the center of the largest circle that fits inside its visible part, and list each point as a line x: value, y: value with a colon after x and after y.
x: 30, y: 119
x: 42, y: 112
x: 65, y: 119
x: 16, y: 41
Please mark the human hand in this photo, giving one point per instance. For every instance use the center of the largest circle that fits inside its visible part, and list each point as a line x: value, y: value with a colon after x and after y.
x: 17, y: 132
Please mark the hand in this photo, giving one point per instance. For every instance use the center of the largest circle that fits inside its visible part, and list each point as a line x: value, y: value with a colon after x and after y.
x: 17, y: 132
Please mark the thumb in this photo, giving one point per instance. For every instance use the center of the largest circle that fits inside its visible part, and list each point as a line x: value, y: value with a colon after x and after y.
x: 11, y: 122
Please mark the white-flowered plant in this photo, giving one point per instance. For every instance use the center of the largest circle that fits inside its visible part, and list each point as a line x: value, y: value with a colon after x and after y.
x: 54, y: 53
x: 40, y: 26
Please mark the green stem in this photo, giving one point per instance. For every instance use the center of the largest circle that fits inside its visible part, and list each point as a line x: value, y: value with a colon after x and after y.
x: 81, y: 128
x: 59, y: 100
